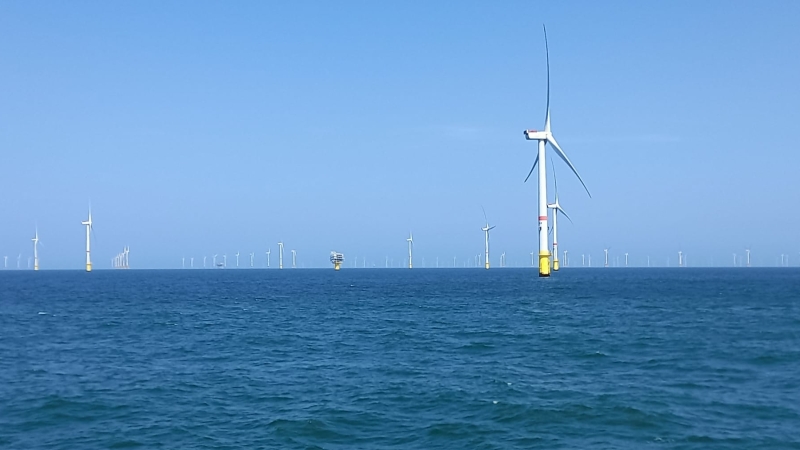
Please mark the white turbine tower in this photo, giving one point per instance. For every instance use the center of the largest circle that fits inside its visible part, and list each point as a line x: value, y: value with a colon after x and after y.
x: 252, y: 256
x: 748, y: 257
x: 237, y: 259
x: 204, y: 261
x: 606, y: 252
x: 88, y: 224
x: 268, y: 252
x: 556, y: 207
x: 280, y: 255
x: 410, y: 248
x: 543, y: 138
x: 680, y: 259
x: 486, y: 230
x: 294, y: 259
x: 626, y: 260
x: 36, y: 250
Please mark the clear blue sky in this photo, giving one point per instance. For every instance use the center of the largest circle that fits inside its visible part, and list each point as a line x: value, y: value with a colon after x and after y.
x: 196, y: 128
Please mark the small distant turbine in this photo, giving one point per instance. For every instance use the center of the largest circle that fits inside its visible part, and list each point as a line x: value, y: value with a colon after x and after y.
x: 36, y: 249
x: 204, y: 261
x: 237, y: 259
x: 410, y: 249
x: 89, y: 228
x: 486, y: 230
x: 543, y: 138
x: 280, y: 255
x: 680, y: 259
x: 191, y: 262
x: 294, y: 259
x: 556, y: 207
x: 606, y: 252
x: 225, y: 261
x: 268, y: 252
x: 252, y: 256
x: 748, y: 257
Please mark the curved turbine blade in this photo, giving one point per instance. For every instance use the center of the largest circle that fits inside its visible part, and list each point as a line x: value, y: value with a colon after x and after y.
x: 561, y: 210
x: 536, y: 161
x: 547, y: 55
x: 555, y: 179
x: 492, y: 227
x: 552, y: 140
x: 484, y: 214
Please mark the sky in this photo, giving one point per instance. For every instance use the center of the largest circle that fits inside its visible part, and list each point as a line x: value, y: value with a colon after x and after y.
x: 201, y: 128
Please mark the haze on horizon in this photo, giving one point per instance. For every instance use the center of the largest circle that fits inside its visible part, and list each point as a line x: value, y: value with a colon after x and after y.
x: 207, y: 127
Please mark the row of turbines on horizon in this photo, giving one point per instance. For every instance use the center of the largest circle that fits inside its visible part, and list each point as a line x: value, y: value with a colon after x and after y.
x: 122, y: 260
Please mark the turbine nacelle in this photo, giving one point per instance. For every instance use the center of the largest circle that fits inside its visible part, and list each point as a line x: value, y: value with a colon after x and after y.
x: 533, y: 135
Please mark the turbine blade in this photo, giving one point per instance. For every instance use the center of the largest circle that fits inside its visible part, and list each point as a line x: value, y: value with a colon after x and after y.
x: 536, y: 161
x: 555, y: 179
x: 484, y: 214
x: 552, y: 140
x: 559, y: 208
x: 547, y: 55
x: 492, y: 227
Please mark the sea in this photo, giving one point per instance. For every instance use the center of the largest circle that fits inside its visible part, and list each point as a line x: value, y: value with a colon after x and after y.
x: 462, y: 359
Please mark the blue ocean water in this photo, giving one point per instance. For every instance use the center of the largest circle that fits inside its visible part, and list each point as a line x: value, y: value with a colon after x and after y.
x: 392, y: 358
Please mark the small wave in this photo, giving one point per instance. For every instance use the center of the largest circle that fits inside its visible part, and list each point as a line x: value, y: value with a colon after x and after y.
x: 42, y: 313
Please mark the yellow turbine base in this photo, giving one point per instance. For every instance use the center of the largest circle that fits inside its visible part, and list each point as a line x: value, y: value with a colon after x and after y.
x: 89, y: 267
x: 487, y: 265
x: 35, y: 267
x: 337, y: 266
x: 544, y: 264
x: 555, y: 264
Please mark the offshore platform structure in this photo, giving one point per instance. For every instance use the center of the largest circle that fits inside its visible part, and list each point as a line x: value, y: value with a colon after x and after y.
x: 337, y: 259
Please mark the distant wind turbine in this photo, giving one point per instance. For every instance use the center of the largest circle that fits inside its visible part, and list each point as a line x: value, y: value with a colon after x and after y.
x: 36, y: 249
x: 237, y: 259
x: 280, y: 255
x: 486, y: 230
x: 606, y: 252
x: 268, y: 252
x: 556, y: 207
x: 252, y: 256
x: 543, y: 138
x: 294, y: 259
x: 88, y: 224
x: 410, y: 249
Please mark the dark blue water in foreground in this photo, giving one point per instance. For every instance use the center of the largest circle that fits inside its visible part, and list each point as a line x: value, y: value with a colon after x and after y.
x: 424, y: 359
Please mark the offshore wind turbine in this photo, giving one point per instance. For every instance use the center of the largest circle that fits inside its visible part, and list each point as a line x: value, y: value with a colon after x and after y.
x: 486, y: 230
x: 252, y: 255
x: 410, y: 249
x: 88, y: 224
x: 294, y: 259
x: 36, y: 249
x: 268, y: 252
x: 748, y: 257
x: 237, y: 259
x: 556, y: 207
x: 626, y: 260
x: 606, y: 252
x: 543, y: 138
x: 280, y: 255
x: 204, y: 261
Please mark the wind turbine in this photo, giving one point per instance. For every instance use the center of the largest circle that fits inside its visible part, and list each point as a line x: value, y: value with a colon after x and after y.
x: 748, y: 257
x: 680, y: 259
x: 556, y: 207
x: 268, y: 252
x: 606, y: 252
x: 89, y: 228
x: 225, y: 261
x: 36, y: 249
x: 252, y: 255
x: 566, y: 263
x: 5, y: 262
x: 237, y: 259
x: 410, y: 247
x: 280, y: 255
x: 19, y: 258
x: 486, y: 230
x: 294, y: 259
x: 204, y: 261
x: 215, y: 261
x: 543, y: 138
x: 191, y: 262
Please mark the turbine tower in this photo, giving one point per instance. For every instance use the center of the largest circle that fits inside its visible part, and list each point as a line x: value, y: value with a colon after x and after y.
x: 486, y: 230
x: 543, y: 138
x: 36, y: 250
x: 280, y: 255
x: 88, y: 224
x: 556, y: 207
x: 294, y: 259
x: 237, y: 259
x: 626, y: 260
x: 268, y: 252
x: 606, y: 252
x: 680, y: 259
x: 252, y: 255
x: 748, y: 257
x: 410, y: 247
